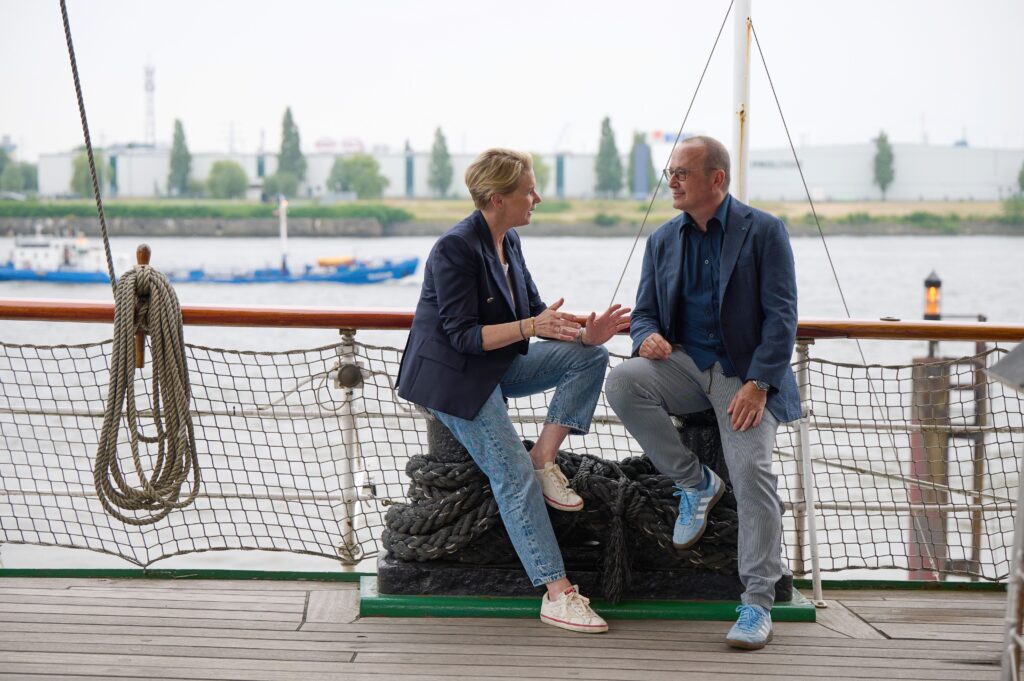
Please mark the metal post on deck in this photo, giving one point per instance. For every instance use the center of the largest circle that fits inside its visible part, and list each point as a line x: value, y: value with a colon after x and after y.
x: 349, y: 378
x: 803, y: 451
x: 1014, y: 594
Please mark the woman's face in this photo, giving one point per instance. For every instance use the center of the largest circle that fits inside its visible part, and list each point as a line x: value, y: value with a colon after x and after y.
x: 520, y: 202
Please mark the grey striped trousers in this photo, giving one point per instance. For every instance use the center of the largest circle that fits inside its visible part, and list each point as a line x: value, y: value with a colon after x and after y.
x: 645, y: 392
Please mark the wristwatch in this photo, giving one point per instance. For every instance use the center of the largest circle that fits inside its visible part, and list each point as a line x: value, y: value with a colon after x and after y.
x: 763, y: 386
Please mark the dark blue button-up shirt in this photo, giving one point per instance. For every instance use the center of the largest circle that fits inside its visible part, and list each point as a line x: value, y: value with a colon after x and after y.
x: 698, y: 328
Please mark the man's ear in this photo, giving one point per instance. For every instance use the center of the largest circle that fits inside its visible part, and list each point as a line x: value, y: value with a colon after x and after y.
x: 720, y: 179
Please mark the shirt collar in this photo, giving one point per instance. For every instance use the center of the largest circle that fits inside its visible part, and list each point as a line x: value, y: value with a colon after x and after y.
x: 721, y: 213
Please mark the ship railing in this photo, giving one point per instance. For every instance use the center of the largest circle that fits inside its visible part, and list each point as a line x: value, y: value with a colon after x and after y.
x: 901, y: 467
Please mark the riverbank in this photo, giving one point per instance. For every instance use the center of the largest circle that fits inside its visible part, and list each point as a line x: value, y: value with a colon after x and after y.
x: 372, y: 228
x: 589, y: 218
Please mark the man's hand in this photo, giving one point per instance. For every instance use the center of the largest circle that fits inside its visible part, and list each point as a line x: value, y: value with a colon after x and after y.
x: 747, y: 406
x: 655, y: 347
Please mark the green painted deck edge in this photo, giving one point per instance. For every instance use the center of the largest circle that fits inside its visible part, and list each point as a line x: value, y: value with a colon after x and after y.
x: 373, y: 604
x: 141, y: 573
x: 901, y: 585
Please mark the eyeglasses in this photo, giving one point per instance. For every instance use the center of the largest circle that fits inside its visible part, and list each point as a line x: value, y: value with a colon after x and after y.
x: 679, y: 173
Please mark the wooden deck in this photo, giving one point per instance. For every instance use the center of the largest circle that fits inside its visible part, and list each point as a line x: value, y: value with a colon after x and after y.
x: 72, y: 629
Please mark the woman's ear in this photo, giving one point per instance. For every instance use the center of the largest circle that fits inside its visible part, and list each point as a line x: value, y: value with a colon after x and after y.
x: 497, y: 201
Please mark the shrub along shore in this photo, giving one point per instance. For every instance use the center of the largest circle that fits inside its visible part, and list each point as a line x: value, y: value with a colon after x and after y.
x: 597, y: 217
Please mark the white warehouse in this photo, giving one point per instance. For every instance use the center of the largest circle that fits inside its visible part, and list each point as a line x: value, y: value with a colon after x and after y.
x: 835, y: 173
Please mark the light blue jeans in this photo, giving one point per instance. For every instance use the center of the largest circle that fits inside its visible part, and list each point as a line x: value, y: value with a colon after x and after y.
x: 576, y: 372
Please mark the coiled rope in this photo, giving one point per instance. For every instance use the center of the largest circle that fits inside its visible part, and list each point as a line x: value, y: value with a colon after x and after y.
x: 145, y: 302
x: 626, y: 522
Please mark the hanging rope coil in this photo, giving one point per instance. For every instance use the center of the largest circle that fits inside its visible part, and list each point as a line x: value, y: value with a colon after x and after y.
x: 146, y: 302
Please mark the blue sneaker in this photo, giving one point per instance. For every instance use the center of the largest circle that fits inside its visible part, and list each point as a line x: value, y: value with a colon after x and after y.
x: 752, y: 630
x: 694, y: 505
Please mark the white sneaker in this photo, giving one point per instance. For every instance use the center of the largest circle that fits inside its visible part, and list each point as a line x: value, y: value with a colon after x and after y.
x: 555, y: 487
x: 572, y: 611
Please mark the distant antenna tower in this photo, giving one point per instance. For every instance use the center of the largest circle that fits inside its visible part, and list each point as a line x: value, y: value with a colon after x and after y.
x: 150, y: 127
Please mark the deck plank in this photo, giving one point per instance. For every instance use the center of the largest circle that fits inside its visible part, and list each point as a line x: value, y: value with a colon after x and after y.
x: 92, y: 629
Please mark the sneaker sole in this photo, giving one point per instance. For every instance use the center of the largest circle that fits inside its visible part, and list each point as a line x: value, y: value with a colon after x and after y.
x: 748, y: 645
x: 707, y: 516
x: 562, y: 507
x: 580, y: 628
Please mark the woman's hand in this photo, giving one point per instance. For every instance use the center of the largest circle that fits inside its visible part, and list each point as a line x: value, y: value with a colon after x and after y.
x: 600, y: 329
x: 556, y: 325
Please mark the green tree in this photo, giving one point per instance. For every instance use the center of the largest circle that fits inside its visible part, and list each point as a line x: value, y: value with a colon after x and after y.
x: 440, y: 176
x: 31, y: 174
x: 1020, y: 179
x: 884, y: 172
x: 281, y: 183
x: 4, y: 159
x: 541, y: 172
x: 227, y: 180
x: 181, y: 163
x: 359, y: 173
x: 12, y: 179
x: 291, y: 160
x: 638, y: 139
x: 608, y: 165
x: 81, y: 179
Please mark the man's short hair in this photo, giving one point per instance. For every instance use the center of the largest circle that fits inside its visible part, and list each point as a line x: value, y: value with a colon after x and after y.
x: 716, y: 156
x: 495, y: 171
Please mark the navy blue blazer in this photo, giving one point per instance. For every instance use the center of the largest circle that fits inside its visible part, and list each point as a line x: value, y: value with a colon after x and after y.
x: 757, y: 299
x: 444, y: 365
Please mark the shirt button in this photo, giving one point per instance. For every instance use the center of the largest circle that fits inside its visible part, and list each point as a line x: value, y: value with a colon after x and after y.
x: 705, y: 262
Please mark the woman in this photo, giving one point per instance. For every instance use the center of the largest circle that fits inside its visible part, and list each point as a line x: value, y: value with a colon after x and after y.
x: 469, y: 349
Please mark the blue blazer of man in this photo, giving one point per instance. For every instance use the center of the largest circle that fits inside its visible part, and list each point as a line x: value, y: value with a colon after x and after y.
x: 757, y: 299
x: 444, y: 366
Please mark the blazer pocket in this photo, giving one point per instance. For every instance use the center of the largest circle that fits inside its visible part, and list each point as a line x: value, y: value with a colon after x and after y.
x: 440, y: 352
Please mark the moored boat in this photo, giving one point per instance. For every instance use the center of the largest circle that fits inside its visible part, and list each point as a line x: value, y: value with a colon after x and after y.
x: 76, y: 260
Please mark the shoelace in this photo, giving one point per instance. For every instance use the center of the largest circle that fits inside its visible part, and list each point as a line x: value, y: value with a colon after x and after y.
x: 576, y: 602
x: 687, y: 497
x: 749, y: 618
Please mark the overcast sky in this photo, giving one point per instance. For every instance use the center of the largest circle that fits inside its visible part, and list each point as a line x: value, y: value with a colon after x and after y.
x: 536, y: 75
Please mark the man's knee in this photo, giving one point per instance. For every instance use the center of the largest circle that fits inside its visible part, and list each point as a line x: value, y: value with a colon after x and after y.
x: 622, y: 382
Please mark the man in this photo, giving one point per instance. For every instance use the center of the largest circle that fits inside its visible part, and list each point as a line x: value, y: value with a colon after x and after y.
x: 714, y: 327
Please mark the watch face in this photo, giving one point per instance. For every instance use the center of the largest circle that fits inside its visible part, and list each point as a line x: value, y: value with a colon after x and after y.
x: 762, y: 385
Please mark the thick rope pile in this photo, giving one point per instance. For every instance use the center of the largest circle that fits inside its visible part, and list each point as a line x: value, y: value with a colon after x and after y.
x: 626, y: 522
x: 146, y: 302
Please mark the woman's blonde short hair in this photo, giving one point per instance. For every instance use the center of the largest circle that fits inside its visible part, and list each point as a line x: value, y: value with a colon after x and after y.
x: 495, y: 171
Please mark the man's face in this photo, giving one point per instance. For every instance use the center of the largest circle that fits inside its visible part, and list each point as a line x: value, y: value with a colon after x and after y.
x: 698, y: 191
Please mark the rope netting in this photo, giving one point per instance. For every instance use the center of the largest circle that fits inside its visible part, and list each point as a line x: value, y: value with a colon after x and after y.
x: 294, y: 460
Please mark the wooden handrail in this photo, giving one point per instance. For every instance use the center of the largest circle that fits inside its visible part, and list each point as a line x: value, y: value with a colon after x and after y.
x: 399, y: 319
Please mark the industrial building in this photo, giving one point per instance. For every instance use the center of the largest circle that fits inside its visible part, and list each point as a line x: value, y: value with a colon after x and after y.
x: 833, y: 173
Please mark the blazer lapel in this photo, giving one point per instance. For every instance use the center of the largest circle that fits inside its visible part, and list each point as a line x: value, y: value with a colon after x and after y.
x: 522, y: 308
x: 672, y: 267
x: 736, y: 232
x: 494, y: 267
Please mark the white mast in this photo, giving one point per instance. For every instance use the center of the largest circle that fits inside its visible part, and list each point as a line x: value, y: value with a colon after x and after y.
x: 741, y: 99
x: 282, y: 213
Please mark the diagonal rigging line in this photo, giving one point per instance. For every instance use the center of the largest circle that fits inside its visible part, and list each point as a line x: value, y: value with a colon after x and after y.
x: 661, y: 177
x: 871, y: 387
x: 803, y: 180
